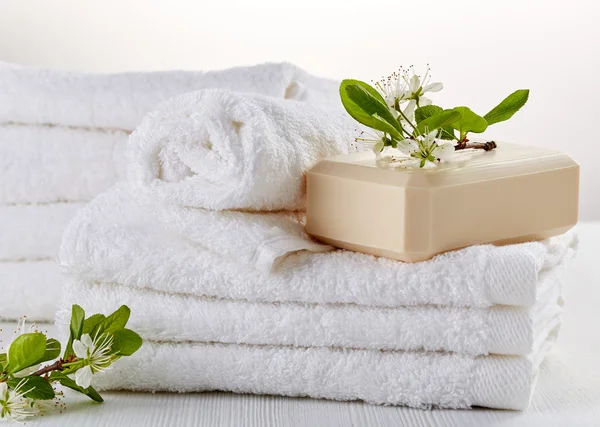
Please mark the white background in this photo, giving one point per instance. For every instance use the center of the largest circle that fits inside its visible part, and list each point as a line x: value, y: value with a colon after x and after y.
x: 481, y: 51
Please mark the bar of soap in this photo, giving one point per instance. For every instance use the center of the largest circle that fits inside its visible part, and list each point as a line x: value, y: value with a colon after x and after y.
x: 512, y: 194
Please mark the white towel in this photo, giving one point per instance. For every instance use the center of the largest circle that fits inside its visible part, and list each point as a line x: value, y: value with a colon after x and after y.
x: 415, y: 379
x: 218, y: 149
x: 45, y: 164
x: 119, y: 101
x: 257, y: 239
x: 33, y: 232
x: 31, y: 288
x: 158, y: 316
x: 113, y: 240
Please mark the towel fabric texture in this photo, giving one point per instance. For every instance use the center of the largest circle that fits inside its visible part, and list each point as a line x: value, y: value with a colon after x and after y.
x: 31, y: 289
x: 119, y: 101
x: 50, y: 164
x: 62, y: 142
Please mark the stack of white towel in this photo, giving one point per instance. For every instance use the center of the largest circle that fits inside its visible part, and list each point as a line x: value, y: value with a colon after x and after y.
x: 206, y: 245
x: 62, y: 137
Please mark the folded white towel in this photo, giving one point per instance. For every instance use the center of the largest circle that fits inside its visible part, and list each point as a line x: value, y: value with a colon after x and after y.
x: 257, y: 239
x: 158, y: 316
x: 33, y: 232
x: 113, y: 240
x: 45, y: 164
x: 415, y: 379
x: 218, y: 149
x: 31, y: 289
x: 119, y: 101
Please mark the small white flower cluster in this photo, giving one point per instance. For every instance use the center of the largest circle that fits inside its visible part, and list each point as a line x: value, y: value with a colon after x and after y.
x: 403, y: 93
x: 406, y: 87
x: 14, y: 406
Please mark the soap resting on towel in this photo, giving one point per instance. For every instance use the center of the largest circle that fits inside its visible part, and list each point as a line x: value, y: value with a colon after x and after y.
x: 115, y: 240
x: 46, y: 164
x: 218, y: 149
x: 319, y: 324
x: 119, y: 101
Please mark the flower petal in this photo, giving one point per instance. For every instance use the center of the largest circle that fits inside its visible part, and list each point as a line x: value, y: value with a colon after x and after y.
x: 410, y: 109
x: 424, y: 101
x: 87, y: 341
x: 444, y: 152
x: 433, y: 87
x: 83, y: 377
x: 408, y: 146
x: 414, y: 83
x: 378, y: 147
x: 3, y: 390
x: 79, y: 349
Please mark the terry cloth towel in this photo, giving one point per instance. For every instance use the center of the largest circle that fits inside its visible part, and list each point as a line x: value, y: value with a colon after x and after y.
x: 418, y: 379
x: 33, y: 232
x: 119, y: 101
x: 30, y: 288
x: 257, y: 239
x: 159, y: 316
x: 46, y: 164
x: 218, y: 149
x: 115, y: 240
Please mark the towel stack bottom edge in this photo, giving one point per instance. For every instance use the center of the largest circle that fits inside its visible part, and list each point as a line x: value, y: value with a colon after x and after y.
x: 190, y: 347
x: 416, y: 379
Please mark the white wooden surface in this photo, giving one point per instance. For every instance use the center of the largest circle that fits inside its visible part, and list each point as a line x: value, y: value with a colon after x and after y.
x: 568, y: 391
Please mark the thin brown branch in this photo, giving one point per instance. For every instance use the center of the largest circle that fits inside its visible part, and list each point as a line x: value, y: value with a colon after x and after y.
x: 56, y: 366
x: 486, y: 146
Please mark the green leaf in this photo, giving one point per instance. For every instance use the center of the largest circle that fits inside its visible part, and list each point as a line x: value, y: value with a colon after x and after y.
x: 126, y: 342
x: 3, y: 359
x: 25, y: 351
x: 368, y: 107
x: 384, y: 126
x: 509, y: 106
x: 115, y: 322
x: 52, y: 350
x: 90, y: 323
x: 422, y: 113
x: 76, y: 327
x: 69, y: 383
x: 38, y: 388
x: 445, y: 118
x: 469, y: 121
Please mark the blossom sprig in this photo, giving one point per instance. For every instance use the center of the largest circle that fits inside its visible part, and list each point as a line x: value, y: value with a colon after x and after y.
x: 400, y: 116
x: 26, y: 378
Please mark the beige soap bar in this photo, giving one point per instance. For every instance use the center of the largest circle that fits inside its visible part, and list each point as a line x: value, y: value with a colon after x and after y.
x: 511, y: 194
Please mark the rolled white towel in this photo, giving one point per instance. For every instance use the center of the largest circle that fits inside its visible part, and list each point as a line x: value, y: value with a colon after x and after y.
x: 113, y: 240
x: 158, y: 316
x: 218, y: 149
x: 31, y: 288
x: 119, y: 101
x: 45, y: 164
x: 32, y: 232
